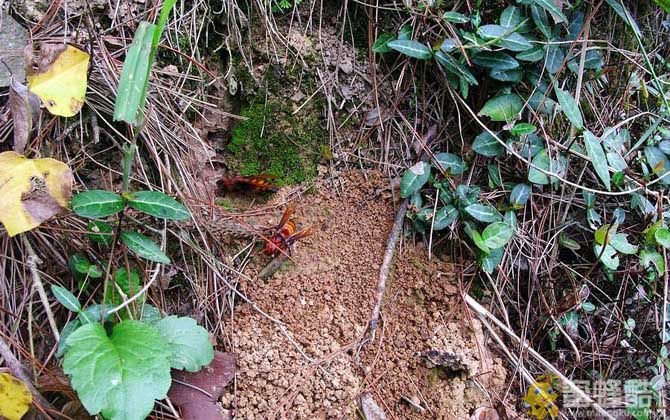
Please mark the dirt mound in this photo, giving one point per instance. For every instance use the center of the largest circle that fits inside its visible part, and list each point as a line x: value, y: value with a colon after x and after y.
x: 325, y: 297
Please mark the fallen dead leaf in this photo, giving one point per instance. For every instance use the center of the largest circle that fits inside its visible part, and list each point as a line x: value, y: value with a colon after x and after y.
x: 60, y: 78
x: 15, y: 398
x: 25, y: 109
x: 198, y: 393
x: 485, y: 413
x: 32, y: 191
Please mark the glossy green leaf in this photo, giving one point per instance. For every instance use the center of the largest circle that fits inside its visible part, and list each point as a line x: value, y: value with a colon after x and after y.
x: 541, y: 20
x: 533, y: 55
x: 620, y: 242
x: 94, y: 204
x: 67, y: 330
x: 542, y: 161
x: 507, y: 76
x: 405, y: 33
x: 455, y: 67
x: 157, y: 204
x: 505, y: 107
x: 479, y: 241
x: 495, y: 60
x: 658, y: 162
x: 483, y: 213
x: 555, y: 58
x: 569, y: 107
x: 522, y: 129
x: 520, y: 195
x: 411, y: 48
x: 135, y: 75
x: 607, y: 256
x: 511, y: 17
x: 662, y: 237
x: 451, y: 163
x: 121, y: 375
x: 189, y: 343
x: 504, y: 38
x: 414, y: 178
x: 489, y: 261
x: 381, y: 44
x: 487, y: 145
x: 444, y: 217
x: 551, y: 7
x: 649, y: 257
x: 595, y: 151
x: 100, y: 232
x: 496, y: 235
x: 455, y: 17
x: 66, y: 298
x: 144, y: 247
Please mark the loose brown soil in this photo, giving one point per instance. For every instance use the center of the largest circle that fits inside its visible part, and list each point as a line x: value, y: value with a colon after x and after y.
x: 325, y: 297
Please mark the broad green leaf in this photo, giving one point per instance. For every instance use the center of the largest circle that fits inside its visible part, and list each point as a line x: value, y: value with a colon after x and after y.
x: 662, y: 237
x: 663, y: 4
x: 506, y: 39
x: 533, y: 55
x: 411, y: 48
x: 121, y: 375
x: 67, y: 330
x: 444, y: 217
x: 511, y: 17
x: 487, y: 145
x: 144, y: 247
x: 496, y: 235
x: 405, y: 33
x: 510, y: 219
x: 479, y: 241
x: 150, y: 314
x: 100, y: 232
x: 620, y: 242
x: 414, y: 178
x: 520, y: 194
x: 135, y: 75
x: 616, y: 161
x: 92, y: 314
x: 649, y: 256
x: 455, y: 67
x: 449, y: 44
x: 66, y: 298
x: 541, y: 20
x: 569, y: 107
x: 94, y: 204
x: 127, y: 281
x: 566, y: 242
x: 522, y: 129
x: 604, y: 233
x: 489, y: 262
x: 158, y: 204
x: 542, y: 161
x: 189, y: 342
x: 551, y: 7
x: 505, y: 107
x: 451, y: 163
x: 595, y: 151
x: 555, y: 58
x: 608, y: 256
x: 455, y: 17
x: 658, y: 162
x: 380, y: 45
x: 575, y: 26
x: 507, y: 76
x: 495, y: 60
x: 483, y: 213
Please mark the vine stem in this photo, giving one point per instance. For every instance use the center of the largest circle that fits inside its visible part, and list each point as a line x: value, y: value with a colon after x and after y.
x: 32, y: 262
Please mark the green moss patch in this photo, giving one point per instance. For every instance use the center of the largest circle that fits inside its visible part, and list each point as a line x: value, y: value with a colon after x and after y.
x: 274, y: 141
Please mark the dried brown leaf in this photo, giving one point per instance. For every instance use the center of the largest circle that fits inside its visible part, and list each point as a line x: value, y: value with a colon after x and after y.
x: 371, y: 410
x: 25, y: 109
x: 198, y: 393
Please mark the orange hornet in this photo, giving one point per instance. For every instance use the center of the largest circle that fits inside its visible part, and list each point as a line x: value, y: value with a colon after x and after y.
x: 259, y: 183
x: 284, y: 235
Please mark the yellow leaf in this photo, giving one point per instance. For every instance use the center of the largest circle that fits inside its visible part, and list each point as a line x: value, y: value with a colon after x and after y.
x: 60, y: 80
x: 15, y: 399
x: 31, y: 191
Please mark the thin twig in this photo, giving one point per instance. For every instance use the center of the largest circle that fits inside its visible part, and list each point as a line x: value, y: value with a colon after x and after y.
x: 32, y: 262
